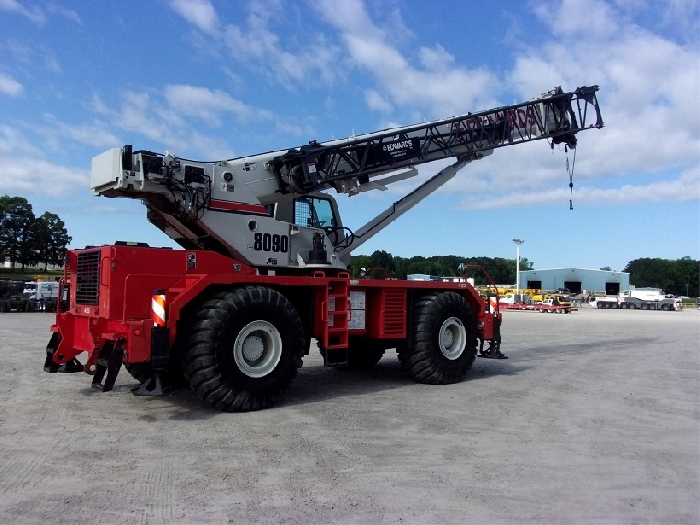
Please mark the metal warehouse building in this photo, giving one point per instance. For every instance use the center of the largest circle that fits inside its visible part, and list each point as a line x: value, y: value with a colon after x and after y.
x: 577, y: 280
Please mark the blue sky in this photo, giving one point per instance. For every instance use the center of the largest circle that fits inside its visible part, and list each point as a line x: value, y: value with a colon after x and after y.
x: 210, y: 80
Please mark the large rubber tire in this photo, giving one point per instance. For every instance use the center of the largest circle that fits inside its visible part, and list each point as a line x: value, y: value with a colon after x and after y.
x: 243, y: 349
x: 444, y: 339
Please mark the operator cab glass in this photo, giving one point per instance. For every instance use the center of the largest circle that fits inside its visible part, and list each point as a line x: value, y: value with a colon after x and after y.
x: 314, y: 212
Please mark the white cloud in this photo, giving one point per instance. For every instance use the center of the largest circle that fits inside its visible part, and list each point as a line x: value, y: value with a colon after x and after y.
x: 9, y: 86
x: 146, y: 115
x: 684, y: 188
x: 649, y: 86
x: 95, y: 134
x: 207, y: 104
x: 31, y: 176
x: 439, y: 86
x: 59, y: 10
x: 277, y: 52
x: 590, y: 19
x: 376, y: 101
x: 198, y: 12
x: 26, y: 170
x: 34, y: 14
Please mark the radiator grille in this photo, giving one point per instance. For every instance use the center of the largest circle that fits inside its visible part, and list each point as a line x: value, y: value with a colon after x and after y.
x: 395, y: 312
x: 87, y: 290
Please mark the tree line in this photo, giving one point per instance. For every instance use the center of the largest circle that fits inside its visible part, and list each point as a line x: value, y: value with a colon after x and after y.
x: 29, y: 240
x: 677, y: 277
x: 501, y: 271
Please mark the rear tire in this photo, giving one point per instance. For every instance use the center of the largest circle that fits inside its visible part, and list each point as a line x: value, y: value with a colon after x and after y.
x: 444, y: 339
x: 243, y: 348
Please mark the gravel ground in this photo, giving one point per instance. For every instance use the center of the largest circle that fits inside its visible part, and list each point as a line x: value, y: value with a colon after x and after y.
x: 595, y: 418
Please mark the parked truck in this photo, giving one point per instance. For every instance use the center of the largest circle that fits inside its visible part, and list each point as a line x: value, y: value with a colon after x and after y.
x: 263, y: 269
x: 42, y: 295
x: 12, y: 297
x: 640, y: 299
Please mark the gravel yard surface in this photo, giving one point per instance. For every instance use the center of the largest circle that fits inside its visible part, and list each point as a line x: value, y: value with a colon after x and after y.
x: 595, y: 418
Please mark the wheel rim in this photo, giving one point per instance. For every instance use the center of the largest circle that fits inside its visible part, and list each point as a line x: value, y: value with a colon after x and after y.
x: 452, y: 338
x: 257, y: 349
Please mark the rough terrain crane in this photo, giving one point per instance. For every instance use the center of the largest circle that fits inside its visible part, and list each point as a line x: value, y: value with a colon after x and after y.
x: 263, y: 269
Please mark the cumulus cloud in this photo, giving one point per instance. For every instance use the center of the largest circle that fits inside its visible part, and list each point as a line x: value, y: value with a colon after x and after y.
x: 61, y: 11
x: 685, y: 188
x: 27, y: 171
x: 9, y: 86
x: 34, y: 14
x: 438, y: 86
x: 95, y: 133
x: 264, y: 42
x: 209, y: 105
x: 201, y: 13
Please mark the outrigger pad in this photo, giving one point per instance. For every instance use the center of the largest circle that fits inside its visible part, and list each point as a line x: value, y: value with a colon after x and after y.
x: 153, y: 386
x: 497, y: 355
x: 492, y: 352
x: 71, y: 367
x: 156, y: 385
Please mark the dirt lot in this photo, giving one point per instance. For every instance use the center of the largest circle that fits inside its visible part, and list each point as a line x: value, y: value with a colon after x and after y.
x: 594, y: 418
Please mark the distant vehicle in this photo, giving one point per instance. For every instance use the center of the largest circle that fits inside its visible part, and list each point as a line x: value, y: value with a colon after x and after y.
x: 640, y: 299
x: 11, y: 297
x: 42, y: 295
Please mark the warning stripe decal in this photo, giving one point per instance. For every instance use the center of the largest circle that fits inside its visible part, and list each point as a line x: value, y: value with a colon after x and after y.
x: 240, y: 207
x: 158, y: 310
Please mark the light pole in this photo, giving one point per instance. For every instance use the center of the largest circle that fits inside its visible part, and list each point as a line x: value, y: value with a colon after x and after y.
x: 517, y: 242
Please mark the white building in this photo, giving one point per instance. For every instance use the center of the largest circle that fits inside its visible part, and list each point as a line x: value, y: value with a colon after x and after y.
x: 576, y: 280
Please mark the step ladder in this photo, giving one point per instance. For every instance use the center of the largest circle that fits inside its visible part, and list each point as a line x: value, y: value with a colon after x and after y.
x: 334, y: 301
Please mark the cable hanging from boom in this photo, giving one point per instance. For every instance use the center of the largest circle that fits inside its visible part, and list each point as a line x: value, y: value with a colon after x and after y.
x: 571, y: 176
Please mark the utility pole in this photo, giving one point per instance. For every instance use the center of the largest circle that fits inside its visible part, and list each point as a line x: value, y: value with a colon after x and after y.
x: 517, y: 242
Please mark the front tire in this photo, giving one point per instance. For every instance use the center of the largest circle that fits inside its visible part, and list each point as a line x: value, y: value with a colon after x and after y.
x: 444, y: 339
x: 243, y: 349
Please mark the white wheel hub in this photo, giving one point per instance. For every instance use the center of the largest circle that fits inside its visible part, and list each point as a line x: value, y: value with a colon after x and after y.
x: 452, y: 338
x: 257, y: 349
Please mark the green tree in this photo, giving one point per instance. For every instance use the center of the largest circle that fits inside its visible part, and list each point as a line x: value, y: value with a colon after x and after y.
x: 357, y: 263
x: 679, y: 277
x: 16, y: 230
x: 50, y: 239
x: 382, y: 259
x: 526, y: 265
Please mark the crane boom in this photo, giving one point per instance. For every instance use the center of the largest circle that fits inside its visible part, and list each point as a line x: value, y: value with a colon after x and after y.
x: 271, y: 210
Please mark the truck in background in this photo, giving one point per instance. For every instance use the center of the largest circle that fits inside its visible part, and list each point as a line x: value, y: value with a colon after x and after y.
x: 28, y: 296
x: 640, y: 299
x: 42, y: 295
x: 11, y: 296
